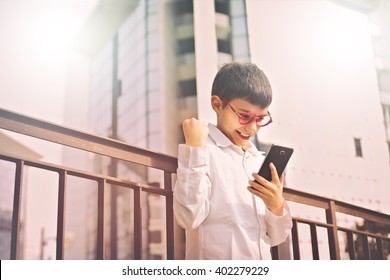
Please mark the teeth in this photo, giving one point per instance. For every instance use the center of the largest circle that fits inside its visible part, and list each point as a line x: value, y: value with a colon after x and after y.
x: 244, y: 134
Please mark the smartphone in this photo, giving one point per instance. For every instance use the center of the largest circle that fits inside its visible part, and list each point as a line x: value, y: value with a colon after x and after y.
x: 279, y: 156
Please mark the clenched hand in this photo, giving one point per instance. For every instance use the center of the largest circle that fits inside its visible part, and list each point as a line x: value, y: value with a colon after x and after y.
x: 195, y: 132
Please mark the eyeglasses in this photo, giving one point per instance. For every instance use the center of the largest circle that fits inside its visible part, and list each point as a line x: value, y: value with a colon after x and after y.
x: 248, y: 117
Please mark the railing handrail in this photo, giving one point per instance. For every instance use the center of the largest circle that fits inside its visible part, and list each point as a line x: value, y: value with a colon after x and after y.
x: 85, y: 174
x: 341, y: 207
x: 55, y: 133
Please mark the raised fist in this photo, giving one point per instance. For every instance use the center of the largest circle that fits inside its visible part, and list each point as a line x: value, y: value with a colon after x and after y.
x: 195, y: 132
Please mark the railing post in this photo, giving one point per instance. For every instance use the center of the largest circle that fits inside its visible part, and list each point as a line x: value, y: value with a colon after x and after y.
x: 333, y: 238
x: 16, y: 209
x: 379, y: 247
x: 295, y: 240
x: 351, y: 246
x: 314, y: 242
x: 100, y: 222
x: 275, y: 253
x: 169, y: 217
x: 137, y: 224
x: 366, y: 247
x: 61, y: 215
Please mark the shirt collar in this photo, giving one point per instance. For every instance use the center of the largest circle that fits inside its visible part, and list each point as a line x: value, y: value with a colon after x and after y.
x: 221, y: 140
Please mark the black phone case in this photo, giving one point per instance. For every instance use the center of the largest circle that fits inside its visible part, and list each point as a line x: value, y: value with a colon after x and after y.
x: 279, y: 156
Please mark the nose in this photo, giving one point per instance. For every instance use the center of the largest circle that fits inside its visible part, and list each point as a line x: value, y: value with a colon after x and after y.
x: 252, y: 127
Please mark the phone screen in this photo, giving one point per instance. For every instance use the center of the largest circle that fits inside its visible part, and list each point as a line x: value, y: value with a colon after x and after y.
x: 279, y: 156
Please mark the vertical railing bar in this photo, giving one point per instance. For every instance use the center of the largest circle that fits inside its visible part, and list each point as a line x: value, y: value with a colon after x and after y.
x: 314, y: 242
x: 61, y: 214
x: 137, y: 223
x: 295, y: 240
x: 379, y: 247
x: 333, y: 239
x: 366, y: 247
x: 16, y: 209
x: 100, y: 220
x: 275, y: 252
x: 169, y: 217
x: 351, y: 246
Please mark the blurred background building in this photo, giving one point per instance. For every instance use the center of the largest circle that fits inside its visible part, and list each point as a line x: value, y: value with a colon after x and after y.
x: 143, y: 84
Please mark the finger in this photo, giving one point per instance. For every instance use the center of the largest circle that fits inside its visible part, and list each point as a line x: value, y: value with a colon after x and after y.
x: 260, y: 180
x: 256, y: 192
x: 274, y: 173
x: 258, y: 188
x: 282, y: 179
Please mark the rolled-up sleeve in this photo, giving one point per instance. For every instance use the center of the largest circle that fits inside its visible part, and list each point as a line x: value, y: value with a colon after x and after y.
x: 278, y: 227
x: 192, y: 188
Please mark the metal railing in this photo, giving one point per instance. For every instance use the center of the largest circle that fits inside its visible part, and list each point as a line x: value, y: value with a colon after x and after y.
x: 114, y: 149
x: 331, y: 208
x: 103, y: 146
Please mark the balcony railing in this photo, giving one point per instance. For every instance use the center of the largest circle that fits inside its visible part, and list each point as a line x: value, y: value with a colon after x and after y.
x: 118, y: 150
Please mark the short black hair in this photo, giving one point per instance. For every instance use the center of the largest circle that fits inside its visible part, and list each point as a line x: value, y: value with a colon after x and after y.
x: 243, y: 80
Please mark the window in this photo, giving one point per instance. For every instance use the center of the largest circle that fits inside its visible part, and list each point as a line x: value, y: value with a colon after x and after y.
x: 187, y: 87
x: 221, y: 6
x: 358, y: 147
x: 186, y: 46
x: 224, y: 46
x: 184, y: 7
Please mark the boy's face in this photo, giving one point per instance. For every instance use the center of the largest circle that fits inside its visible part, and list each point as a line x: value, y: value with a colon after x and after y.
x: 228, y: 121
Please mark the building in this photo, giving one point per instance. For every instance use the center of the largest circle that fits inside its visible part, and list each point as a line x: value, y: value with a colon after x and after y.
x: 379, y: 18
x: 148, y: 63
x: 327, y: 100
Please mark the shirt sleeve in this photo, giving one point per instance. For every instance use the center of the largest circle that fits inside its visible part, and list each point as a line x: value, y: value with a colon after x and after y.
x: 192, y: 188
x: 278, y: 227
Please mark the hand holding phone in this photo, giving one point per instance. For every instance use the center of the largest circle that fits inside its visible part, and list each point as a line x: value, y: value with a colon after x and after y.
x: 271, y: 191
x: 279, y: 156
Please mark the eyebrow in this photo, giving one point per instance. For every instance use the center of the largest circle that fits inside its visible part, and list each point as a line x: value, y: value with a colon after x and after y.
x: 244, y: 110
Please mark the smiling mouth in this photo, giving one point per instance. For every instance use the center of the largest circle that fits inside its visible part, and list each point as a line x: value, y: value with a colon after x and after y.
x: 244, y: 136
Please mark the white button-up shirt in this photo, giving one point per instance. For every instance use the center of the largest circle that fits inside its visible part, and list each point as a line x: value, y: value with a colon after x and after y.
x: 222, y: 219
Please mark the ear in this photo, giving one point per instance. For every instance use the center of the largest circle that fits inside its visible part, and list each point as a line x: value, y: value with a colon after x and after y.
x: 216, y: 103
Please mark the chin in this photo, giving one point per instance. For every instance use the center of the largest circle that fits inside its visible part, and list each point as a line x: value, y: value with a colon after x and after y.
x: 241, y: 143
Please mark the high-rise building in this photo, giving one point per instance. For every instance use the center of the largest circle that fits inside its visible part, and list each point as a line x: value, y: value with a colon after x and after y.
x: 319, y: 58
x: 380, y: 32
x: 151, y: 68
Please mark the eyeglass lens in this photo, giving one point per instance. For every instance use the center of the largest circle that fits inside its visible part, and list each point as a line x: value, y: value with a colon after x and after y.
x: 248, y: 118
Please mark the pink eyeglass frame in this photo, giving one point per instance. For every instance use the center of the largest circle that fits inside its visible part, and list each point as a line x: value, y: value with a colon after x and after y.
x: 254, y: 118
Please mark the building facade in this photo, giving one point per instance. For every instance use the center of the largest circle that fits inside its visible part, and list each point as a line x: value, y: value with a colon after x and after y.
x: 149, y: 72
x: 327, y: 103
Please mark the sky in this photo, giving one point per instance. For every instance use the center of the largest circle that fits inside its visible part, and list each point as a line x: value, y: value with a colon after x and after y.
x: 35, y: 37
x: 35, y: 40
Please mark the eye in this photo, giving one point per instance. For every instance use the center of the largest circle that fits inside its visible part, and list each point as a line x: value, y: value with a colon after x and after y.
x: 246, y: 117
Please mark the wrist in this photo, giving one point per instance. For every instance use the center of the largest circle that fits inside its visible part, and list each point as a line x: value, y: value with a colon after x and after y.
x: 278, y: 211
x: 195, y: 144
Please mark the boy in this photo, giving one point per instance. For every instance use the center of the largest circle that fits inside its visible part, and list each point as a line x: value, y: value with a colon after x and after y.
x: 224, y: 218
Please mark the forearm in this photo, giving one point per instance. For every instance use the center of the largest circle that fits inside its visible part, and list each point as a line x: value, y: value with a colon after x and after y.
x: 192, y: 188
x: 278, y: 227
